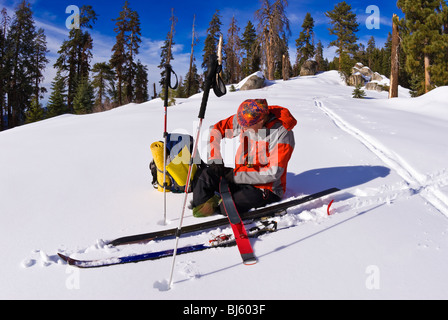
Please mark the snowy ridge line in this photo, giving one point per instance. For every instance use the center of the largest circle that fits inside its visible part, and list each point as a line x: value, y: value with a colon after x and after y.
x: 419, y: 183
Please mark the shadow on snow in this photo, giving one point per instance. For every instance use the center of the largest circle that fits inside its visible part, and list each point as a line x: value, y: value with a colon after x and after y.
x: 316, y: 180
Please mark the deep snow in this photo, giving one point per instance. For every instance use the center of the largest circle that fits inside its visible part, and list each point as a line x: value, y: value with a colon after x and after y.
x: 71, y: 183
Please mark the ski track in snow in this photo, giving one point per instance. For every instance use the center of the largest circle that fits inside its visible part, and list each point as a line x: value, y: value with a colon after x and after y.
x: 428, y: 187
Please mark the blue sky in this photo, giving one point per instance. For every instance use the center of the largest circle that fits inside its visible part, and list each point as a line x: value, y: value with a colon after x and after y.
x: 154, y: 15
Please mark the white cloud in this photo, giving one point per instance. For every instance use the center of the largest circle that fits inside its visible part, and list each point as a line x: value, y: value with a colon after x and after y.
x: 293, y: 18
x: 329, y: 52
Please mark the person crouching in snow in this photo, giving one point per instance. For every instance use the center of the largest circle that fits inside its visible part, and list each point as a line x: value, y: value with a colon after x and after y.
x: 261, y: 162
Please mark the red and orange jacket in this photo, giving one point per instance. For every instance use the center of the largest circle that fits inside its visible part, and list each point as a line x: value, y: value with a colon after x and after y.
x: 262, y: 158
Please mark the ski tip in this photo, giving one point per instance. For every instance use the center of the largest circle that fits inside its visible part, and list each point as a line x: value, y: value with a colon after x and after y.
x: 67, y: 259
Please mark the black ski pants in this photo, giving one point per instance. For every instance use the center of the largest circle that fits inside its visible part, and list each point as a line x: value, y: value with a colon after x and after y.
x: 246, y: 197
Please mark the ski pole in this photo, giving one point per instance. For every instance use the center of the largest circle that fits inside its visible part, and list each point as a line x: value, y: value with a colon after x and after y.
x: 214, y: 81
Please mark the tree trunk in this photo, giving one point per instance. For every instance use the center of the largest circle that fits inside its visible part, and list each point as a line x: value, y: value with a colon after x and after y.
x: 173, y: 21
x: 393, y: 92
x: 341, y: 50
x: 427, y: 74
x: 269, y: 58
x: 119, y: 87
x: 155, y: 91
x: 340, y: 61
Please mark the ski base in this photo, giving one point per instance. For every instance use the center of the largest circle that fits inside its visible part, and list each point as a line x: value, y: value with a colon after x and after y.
x: 239, y: 230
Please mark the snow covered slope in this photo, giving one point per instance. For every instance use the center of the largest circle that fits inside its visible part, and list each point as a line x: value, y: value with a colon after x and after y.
x: 71, y: 183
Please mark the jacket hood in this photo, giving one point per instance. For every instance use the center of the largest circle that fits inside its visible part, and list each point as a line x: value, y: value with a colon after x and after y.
x: 284, y: 116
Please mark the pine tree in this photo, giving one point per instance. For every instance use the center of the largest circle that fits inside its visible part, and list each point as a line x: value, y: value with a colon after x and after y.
x: 233, y: 53
x: 251, y: 47
x: 370, y: 50
x: 40, y: 62
x: 385, y: 53
x: 283, y: 68
x: 322, y: 64
x: 273, y: 26
x: 360, y: 55
x: 167, y: 56
x: 192, y: 82
x: 103, y: 82
x: 22, y: 71
x: 57, y: 101
x: 76, y: 53
x: 305, y: 43
x: 344, y: 27
x: 35, y: 112
x: 141, y: 83
x: 4, y: 72
x: 118, y: 59
x: 133, y: 46
x: 84, y: 98
x: 128, y: 40
x: 2, y: 81
x: 212, y: 39
x: 425, y: 42
x: 403, y: 75
x: 192, y: 79
x: 358, y: 93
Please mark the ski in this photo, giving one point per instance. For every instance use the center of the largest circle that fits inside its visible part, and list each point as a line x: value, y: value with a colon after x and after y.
x: 221, y: 241
x: 238, y: 228
x: 218, y: 242
x: 88, y: 264
x: 256, y: 214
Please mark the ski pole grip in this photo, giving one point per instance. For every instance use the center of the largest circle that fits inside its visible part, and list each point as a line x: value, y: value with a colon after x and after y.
x: 212, y: 67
